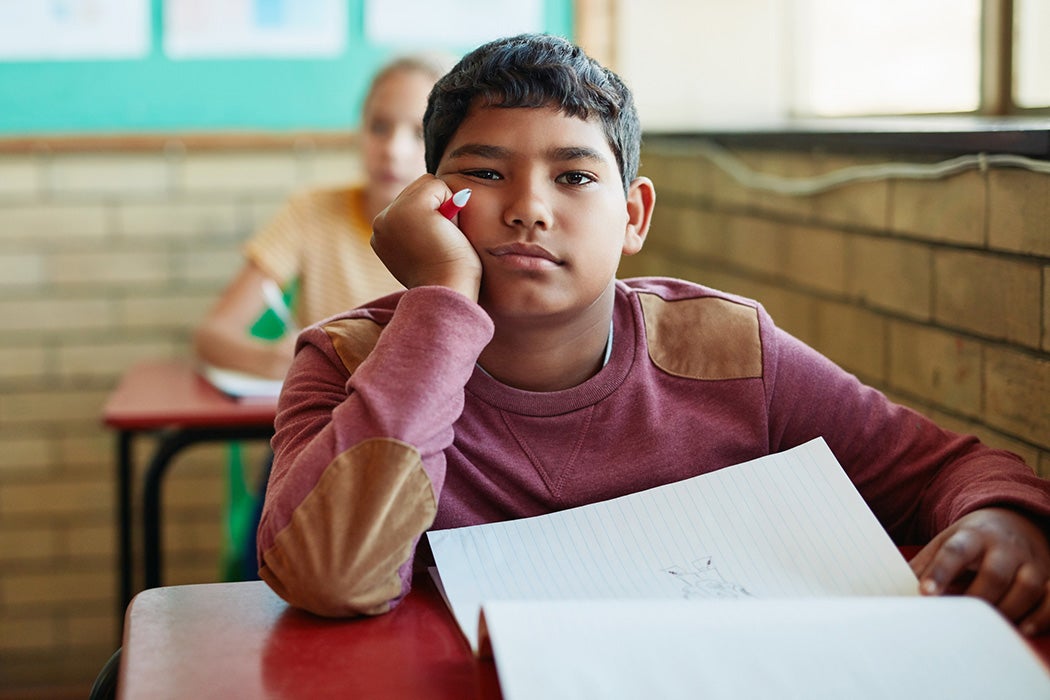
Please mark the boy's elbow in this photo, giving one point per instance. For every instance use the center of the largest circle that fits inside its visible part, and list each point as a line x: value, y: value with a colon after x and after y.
x: 347, y: 549
x: 331, y: 597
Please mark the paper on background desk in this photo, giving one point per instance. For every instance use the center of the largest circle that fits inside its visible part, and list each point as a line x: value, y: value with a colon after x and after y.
x: 240, y: 385
x: 786, y: 525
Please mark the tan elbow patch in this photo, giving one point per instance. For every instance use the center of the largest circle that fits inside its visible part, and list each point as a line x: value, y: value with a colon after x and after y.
x: 704, y: 338
x: 339, y: 556
x: 353, y: 340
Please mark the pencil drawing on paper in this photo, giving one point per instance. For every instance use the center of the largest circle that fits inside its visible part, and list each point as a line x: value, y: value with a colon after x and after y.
x: 703, y: 580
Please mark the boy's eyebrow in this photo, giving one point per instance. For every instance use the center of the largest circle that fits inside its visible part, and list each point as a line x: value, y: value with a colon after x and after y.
x: 563, y: 153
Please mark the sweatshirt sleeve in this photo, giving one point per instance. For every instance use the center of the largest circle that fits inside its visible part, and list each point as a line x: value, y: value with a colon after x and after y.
x: 916, y: 476
x: 362, y: 424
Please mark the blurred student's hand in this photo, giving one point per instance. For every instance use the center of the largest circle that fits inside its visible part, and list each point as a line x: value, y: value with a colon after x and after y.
x: 420, y: 246
x: 995, y: 554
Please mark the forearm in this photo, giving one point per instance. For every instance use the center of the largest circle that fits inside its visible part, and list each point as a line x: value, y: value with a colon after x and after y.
x: 915, y: 476
x: 230, y: 347
x: 359, y: 452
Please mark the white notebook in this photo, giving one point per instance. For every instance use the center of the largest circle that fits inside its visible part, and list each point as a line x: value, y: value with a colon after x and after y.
x: 753, y: 545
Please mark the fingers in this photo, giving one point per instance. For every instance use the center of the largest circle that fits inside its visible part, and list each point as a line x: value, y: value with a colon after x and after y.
x: 948, y: 558
x: 999, y: 557
x: 1037, y: 621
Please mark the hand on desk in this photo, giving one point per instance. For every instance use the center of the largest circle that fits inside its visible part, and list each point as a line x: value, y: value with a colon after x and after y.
x: 995, y: 554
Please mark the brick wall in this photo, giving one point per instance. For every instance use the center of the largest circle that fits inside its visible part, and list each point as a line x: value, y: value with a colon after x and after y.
x: 107, y: 257
x: 936, y: 292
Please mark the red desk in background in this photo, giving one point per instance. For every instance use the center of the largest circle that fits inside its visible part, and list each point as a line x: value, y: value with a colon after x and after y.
x: 239, y: 640
x: 168, y: 398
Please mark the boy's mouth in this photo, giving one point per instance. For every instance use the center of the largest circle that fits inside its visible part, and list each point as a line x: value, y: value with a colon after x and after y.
x: 524, y: 250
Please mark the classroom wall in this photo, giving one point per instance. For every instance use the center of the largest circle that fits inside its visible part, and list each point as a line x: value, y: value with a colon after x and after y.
x: 108, y: 257
x: 936, y: 292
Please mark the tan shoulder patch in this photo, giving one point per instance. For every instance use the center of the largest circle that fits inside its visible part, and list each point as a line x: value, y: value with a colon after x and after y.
x: 705, y: 338
x: 353, y: 339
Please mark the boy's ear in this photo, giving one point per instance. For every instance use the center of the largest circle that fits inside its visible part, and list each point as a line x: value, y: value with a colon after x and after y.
x: 641, y: 199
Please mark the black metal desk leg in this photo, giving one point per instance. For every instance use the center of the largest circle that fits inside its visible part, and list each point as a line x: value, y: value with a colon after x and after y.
x: 124, y: 476
x: 169, y: 445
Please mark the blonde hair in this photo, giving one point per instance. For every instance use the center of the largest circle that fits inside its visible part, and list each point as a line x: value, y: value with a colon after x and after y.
x: 432, y: 65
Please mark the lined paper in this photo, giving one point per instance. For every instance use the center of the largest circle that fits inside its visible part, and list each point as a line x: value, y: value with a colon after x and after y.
x: 786, y: 525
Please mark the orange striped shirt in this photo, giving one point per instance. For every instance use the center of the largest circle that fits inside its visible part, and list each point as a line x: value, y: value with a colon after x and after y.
x: 322, y: 238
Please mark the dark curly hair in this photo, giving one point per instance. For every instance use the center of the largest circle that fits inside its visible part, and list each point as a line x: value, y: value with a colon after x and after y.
x: 534, y: 70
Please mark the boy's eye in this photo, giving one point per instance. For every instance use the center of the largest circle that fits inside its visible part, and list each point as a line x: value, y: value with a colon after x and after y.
x: 575, y: 178
x: 483, y: 174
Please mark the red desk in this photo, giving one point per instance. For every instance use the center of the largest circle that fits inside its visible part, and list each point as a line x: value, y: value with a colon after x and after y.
x: 170, y: 399
x: 227, y: 640
x: 231, y: 640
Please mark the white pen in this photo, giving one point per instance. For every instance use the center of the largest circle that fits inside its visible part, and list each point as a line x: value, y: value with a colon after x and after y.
x: 275, y: 300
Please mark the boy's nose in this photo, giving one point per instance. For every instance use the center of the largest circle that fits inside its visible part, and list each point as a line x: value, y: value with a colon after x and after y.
x: 528, y: 207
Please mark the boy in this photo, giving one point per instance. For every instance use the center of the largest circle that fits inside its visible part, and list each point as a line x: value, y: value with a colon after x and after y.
x: 517, y: 376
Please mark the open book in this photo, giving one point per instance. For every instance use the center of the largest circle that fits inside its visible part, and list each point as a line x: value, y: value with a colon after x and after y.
x: 727, y: 580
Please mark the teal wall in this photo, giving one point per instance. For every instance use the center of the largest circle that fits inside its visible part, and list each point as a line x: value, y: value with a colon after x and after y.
x: 156, y: 94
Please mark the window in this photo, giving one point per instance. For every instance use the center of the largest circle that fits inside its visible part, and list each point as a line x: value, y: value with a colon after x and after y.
x: 857, y: 57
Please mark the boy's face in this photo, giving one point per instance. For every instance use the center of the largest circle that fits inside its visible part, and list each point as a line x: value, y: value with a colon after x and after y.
x: 548, y: 215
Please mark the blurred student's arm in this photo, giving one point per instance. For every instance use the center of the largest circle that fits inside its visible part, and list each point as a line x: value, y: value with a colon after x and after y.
x: 223, y: 338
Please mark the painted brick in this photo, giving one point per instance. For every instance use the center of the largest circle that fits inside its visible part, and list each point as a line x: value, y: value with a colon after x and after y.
x: 55, y: 221
x: 109, y: 268
x: 995, y: 297
x: 862, y: 204
x: 942, y: 368
x: 790, y: 166
x: 21, y: 270
x: 93, y: 451
x: 91, y: 542
x: 19, y: 544
x: 25, y: 363
x: 165, y: 312
x: 28, y: 633
x: 331, y: 169
x: 1016, y: 387
x: 21, y: 176
x: 63, y: 589
x: 124, y: 175
x: 106, y: 360
x: 815, y: 258
x: 56, y: 313
x: 26, y: 408
x: 25, y: 453
x: 792, y: 311
x: 238, y: 172
x: 48, y: 499
x: 1019, y: 211
x: 1046, y: 308
x: 853, y: 338
x: 209, y: 266
x: 951, y: 209
x: 757, y: 245
x: 891, y: 274
x: 723, y: 189
x: 87, y: 630
x: 182, y: 219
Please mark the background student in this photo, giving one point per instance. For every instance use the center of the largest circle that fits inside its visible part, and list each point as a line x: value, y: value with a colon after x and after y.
x: 319, y: 242
x: 517, y: 376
